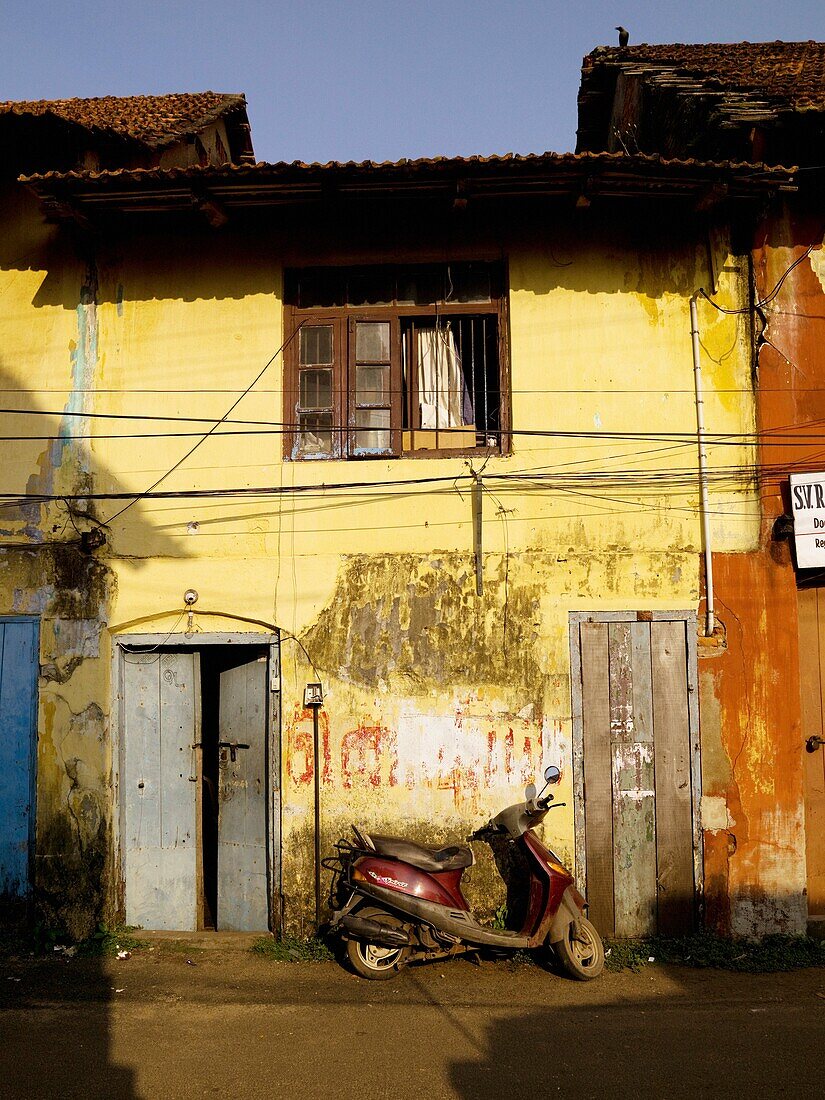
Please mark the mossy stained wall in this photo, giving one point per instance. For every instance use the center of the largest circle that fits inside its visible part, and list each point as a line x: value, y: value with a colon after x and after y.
x: 441, y: 703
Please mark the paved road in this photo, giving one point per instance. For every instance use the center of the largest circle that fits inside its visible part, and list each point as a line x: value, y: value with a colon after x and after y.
x: 235, y: 1025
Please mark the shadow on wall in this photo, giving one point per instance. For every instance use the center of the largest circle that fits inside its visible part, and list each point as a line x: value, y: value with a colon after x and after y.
x: 618, y: 248
x: 184, y: 259
x: 45, y: 572
x: 60, y: 1043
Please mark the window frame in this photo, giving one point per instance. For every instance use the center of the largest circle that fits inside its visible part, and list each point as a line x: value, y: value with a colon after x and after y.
x: 349, y: 374
x: 344, y: 319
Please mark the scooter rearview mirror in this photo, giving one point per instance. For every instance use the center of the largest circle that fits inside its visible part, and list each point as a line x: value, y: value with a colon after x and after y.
x: 552, y: 774
x: 530, y: 792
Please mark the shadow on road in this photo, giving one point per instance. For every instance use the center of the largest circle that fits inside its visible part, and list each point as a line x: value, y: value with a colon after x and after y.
x: 233, y: 1024
x: 55, y: 1038
x: 667, y: 1046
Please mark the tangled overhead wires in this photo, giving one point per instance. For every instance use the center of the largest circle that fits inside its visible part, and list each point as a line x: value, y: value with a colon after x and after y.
x: 763, y: 303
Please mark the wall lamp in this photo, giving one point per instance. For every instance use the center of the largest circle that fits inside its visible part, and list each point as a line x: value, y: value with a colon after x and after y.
x: 783, y: 528
x: 313, y: 695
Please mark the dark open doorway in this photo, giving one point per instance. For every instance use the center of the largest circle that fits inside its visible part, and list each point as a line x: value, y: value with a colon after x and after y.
x: 233, y: 788
x: 210, y: 704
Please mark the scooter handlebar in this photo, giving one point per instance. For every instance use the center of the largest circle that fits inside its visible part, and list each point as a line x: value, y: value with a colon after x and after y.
x: 532, y: 808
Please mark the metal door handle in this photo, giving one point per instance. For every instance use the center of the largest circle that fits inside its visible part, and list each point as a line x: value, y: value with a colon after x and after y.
x: 233, y: 747
x: 813, y: 742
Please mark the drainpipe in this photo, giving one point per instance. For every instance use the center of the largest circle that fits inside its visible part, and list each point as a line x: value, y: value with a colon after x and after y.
x: 703, y: 462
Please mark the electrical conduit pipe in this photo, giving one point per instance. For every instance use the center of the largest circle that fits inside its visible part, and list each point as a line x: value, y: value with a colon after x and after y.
x: 710, y: 621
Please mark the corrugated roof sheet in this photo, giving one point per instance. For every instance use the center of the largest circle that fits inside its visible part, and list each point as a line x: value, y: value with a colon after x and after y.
x: 153, y: 120
x: 789, y: 74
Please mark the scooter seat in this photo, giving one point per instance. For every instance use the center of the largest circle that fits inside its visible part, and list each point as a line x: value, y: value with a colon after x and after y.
x: 452, y: 858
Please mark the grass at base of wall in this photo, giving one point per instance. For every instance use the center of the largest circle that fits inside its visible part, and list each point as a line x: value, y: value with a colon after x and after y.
x: 39, y: 939
x: 292, y: 949
x: 700, y: 950
x: 705, y: 950
x: 109, y: 941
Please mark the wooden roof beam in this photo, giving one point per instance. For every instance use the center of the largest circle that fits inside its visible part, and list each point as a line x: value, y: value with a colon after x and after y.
x: 212, y: 210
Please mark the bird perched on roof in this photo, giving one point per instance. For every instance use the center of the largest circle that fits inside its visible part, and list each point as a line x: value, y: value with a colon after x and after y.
x: 624, y: 37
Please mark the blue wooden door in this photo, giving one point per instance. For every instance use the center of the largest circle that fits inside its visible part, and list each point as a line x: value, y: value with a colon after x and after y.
x: 18, y: 732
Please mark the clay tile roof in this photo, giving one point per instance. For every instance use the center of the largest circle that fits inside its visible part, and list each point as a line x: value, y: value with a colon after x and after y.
x: 790, y: 75
x: 153, y: 120
x: 422, y: 165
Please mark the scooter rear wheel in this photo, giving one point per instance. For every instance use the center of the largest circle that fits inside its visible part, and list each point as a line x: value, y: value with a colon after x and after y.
x: 581, y: 952
x: 374, y: 960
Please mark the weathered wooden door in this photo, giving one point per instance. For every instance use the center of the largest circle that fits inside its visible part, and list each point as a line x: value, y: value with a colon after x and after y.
x: 242, y: 821
x: 161, y: 702
x: 812, y: 681
x: 18, y: 731
x: 633, y: 713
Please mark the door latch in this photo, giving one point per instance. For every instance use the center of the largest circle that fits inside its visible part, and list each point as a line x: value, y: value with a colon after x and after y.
x: 233, y: 747
x: 193, y: 778
x: 813, y: 742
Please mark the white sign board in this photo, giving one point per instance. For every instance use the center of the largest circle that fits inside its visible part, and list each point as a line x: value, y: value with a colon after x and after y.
x: 808, y: 504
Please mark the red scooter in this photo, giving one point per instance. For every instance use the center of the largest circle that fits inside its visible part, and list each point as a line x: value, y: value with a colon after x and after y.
x: 402, y: 902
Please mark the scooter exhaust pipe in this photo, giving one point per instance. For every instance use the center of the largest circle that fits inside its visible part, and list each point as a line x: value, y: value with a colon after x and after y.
x: 362, y: 928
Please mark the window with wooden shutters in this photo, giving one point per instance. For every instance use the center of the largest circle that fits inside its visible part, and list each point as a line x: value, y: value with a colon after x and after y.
x: 316, y: 407
x: 392, y: 360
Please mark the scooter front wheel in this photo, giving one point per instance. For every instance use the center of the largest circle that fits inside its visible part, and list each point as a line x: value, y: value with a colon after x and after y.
x: 374, y: 960
x: 581, y: 951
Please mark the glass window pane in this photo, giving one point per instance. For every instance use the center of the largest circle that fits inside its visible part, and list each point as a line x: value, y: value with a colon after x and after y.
x: 315, y: 389
x: 371, y: 286
x: 315, y: 344
x: 372, y: 385
x: 372, y: 341
x: 373, y: 434
x: 314, y: 434
x: 420, y: 284
x: 405, y: 286
x: 316, y: 288
x: 469, y: 283
x: 372, y: 418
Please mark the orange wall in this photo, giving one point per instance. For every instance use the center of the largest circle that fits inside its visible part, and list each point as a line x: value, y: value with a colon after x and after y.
x: 751, y: 759
x: 753, y: 741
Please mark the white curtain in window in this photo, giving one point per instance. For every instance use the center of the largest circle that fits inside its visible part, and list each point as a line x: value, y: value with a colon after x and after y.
x: 440, y: 379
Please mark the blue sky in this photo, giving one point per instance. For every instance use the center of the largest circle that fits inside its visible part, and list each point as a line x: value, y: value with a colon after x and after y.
x: 329, y: 80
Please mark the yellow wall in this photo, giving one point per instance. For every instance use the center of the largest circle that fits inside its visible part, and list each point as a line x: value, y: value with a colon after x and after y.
x: 440, y: 703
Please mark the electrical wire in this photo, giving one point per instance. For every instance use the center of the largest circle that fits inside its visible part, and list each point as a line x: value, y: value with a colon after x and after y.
x: 657, y: 482
x: 215, y: 426
x: 263, y: 390
x: 722, y: 439
x: 674, y: 438
x: 163, y: 641
x: 763, y: 302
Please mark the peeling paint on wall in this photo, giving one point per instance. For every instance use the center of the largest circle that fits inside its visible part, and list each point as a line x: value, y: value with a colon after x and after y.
x: 440, y: 704
x: 751, y: 737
